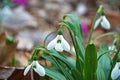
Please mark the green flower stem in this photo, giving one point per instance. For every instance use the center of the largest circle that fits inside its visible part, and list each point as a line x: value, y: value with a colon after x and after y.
x: 72, y: 37
x: 47, y: 38
x: 92, y: 29
x: 116, y: 56
x: 43, y: 49
x: 100, y: 10
x: 62, y: 24
x: 103, y: 35
x: 105, y: 53
x: 60, y: 31
x: 35, y: 55
x: 75, y: 44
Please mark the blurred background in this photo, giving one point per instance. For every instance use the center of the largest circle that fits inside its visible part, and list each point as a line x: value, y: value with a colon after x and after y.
x: 26, y: 23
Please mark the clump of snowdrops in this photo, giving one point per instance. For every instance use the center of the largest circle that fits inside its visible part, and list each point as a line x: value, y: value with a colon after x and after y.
x: 90, y: 63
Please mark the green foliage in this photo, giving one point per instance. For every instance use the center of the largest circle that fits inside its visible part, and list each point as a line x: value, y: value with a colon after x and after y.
x: 89, y: 64
x: 53, y: 73
x: 105, y: 60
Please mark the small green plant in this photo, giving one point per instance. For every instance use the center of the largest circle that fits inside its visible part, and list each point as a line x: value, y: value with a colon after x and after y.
x: 90, y: 63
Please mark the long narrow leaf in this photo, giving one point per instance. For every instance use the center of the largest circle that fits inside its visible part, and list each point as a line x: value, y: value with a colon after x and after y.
x: 68, y: 61
x: 90, y: 66
x: 100, y: 73
x: 76, y: 24
x: 53, y: 73
x: 105, y: 60
x: 76, y: 74
x: 81, y: 48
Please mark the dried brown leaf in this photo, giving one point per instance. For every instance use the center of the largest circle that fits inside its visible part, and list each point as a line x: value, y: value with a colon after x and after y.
x: 7, y: 50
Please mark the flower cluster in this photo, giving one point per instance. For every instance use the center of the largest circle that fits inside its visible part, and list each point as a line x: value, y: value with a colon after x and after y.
x: 90, y: 63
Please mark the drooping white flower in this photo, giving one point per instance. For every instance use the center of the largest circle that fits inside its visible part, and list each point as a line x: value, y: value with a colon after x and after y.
x: 59, y: 43
x: 103, y: 21
x: 116, y: 71
x: 37, y: 68
x: 6, y: 12
x: 112, y: 47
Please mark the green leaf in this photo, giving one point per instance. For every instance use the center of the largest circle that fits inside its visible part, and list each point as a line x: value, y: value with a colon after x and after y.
x: 61, y: 66
x: 76, y: 74
x: 53, y: 73
x: 81, y: 47
x: 90, y: 65
x: 75, y: 22
x: 79, y: 66
x: 72, y: 53
x: 66, y: 60
x: 47, y: 57
x: 70, y: 25
x: 105, y: 60
x: 78, y: 42
x: 100, y: 73
x: 65, y: 70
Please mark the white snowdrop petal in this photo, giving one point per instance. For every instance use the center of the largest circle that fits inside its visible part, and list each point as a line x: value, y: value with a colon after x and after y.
x: 27, y: 69
x: 6, y: 11
x: 58, y: 47
x: 105, y: 23
x: 39, y: 69
x: 112, y: 47
x: 97, y: 22
x: 115, y: 72
x: 65, y: 44
x: 52, y: 44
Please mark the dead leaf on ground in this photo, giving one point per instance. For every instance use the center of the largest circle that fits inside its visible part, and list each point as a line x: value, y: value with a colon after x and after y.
x: 16, y: 73
x: 7, y: 50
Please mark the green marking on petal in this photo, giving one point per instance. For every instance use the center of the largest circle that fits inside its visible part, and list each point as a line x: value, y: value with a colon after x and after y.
x: 34, y: 66
x: 58, y: 41
x: 119, y: 67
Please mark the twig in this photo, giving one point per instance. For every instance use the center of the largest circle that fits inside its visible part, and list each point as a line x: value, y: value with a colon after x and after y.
x: 31, y: 73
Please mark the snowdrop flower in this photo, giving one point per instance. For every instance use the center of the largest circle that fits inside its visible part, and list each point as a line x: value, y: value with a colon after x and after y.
x: 116, y: 71
x: 112, y: 47
x: 37, y: 68
x: 6, y: 12
x: 59, y: 43
x: 103, y: 21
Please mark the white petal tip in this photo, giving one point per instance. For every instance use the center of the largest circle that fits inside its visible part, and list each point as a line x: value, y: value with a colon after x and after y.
x: 43, y: 74
x: 58, y: 47
x: 105, y: 23
x: 24, y: 74
x: 115, y: 72
x: 26, y: 70
x: 39, y: 69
